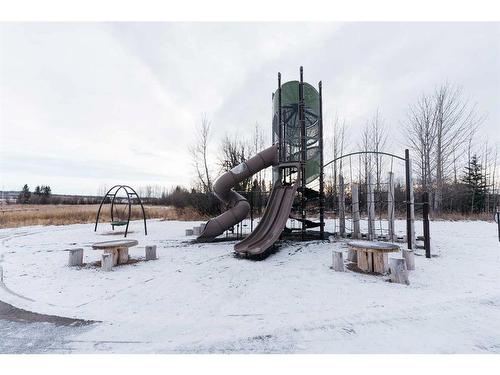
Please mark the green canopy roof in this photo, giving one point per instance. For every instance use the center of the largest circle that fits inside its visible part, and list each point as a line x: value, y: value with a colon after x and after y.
x: 291, y: 125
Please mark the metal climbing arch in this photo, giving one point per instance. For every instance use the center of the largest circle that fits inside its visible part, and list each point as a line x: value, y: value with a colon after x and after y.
x: 121, y: 220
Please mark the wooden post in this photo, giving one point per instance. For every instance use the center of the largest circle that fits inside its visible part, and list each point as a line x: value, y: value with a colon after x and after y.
x: 151, y: 252
x: 114, y: 255
x: 338, y: 261
x: 352, y: 255
x: 365, y: 260
x: 409, y: 258
x: 107, y: 262
x: 371, y: 208
x: 75, y: 257
x: 390, y: 207
x: 355, y: 210
x: 399, y: 272
x: 427, y: 236
x: 341, y: 206
x: 380, y: 264
x: 122, y: 255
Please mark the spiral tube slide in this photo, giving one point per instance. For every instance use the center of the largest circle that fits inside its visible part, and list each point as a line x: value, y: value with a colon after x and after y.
x: 239, y: 205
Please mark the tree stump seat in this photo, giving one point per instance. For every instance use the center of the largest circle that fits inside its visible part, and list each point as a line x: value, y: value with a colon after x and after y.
x: 372, y: 256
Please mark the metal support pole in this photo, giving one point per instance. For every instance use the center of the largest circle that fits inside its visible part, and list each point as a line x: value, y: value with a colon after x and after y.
x: 341, y: 206
x: 390, y: 207
x: 129, y: 211
x: 142, y: 208
x: 321, y: 171
x: 252, y: 191
x: 427, y: 238
x: 280, y: 129
x: 408, y: 200
x: 303, y: 154
x: 412, y: 209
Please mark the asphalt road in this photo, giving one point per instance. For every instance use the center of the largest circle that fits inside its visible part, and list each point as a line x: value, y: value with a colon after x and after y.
x: 24, y: 332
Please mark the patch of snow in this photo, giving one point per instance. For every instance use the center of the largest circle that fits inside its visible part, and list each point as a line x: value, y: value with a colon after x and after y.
x: 201, y: 298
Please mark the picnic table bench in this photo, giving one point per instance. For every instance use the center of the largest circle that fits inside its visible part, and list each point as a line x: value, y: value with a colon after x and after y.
x: 117, y: 248
x: 372, y: 256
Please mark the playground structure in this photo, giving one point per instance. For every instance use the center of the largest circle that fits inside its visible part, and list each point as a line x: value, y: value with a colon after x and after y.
x: 121, y: 207
x: 366, y: 184
x: 296, y: 157
x: 365, y: 188
x: 298, y: 179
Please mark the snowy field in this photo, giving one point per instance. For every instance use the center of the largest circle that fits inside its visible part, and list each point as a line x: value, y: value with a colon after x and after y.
x: 199, y: 298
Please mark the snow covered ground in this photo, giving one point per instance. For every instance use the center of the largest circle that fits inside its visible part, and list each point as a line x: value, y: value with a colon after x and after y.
x: 200, y: 298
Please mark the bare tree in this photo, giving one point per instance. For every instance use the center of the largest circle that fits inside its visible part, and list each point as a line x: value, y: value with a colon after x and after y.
x: 494, y: 191
x: 438, y: 128
x: 232, y: 153
x: 148, y: 191
x: 373, y: 139
x: 420, y: 132
x: 378, y: 139
x: 490, y: 154
x: 456, y: 120
x: 258, y: 143
x: 199, y: 154
x: 484, y: 157
x: 336, y: 147
x: 102, y: 190
x: 366, y: 147
x: 336, y: 143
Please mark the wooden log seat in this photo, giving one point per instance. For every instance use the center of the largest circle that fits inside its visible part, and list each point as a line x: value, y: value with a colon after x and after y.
x: 372, y: 256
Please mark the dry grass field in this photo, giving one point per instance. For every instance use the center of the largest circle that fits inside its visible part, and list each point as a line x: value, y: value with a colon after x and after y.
x: 18, y: 215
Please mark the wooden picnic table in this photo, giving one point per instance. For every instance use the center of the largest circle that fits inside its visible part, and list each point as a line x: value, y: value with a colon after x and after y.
x: 118, y: 248
x: 372, y: 256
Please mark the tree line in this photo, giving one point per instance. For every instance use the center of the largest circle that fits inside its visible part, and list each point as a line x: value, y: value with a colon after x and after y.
x: 442, y: 129
x: 42, y: 194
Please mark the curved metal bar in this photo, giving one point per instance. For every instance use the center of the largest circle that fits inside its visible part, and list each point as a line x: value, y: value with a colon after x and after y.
x: 142, y: 207
x: 113, y: 204
x: 108, y: 193
x: 129, y: 210
x: 363, y: 152
x: 100, y: 206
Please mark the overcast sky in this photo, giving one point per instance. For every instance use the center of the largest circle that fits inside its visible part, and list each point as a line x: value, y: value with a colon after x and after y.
x: 84, y: 105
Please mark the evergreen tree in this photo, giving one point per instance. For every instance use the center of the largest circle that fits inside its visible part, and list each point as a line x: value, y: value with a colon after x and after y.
x: 38, y: 191
x: 46, y: 191
x: 44, y: 194
x: 475, y: 181
x: 24, y: 195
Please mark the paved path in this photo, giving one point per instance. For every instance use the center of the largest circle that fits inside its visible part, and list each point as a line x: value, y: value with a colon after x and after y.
x: 24, y: 332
